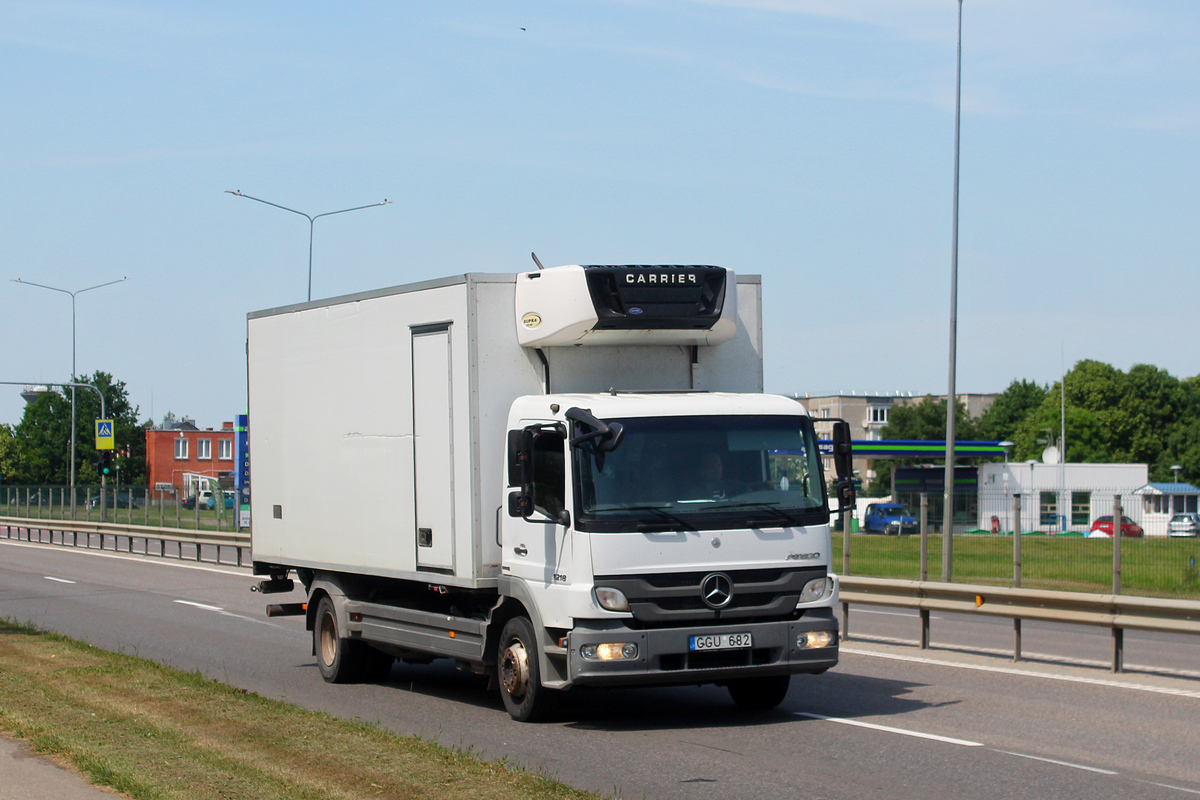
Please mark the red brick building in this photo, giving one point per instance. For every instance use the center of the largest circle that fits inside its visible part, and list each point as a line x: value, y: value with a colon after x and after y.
x: 181, y: 455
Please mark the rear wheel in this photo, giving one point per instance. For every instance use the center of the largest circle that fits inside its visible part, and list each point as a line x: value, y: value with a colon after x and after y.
x: 759, y: 694
x: 339, y: 659
x: 525, y: 699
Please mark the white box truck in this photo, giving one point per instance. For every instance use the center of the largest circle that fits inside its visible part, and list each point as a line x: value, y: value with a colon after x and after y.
x: 559, y: 478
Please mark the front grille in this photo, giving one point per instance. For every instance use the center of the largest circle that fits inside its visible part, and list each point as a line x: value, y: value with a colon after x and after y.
x: 667, y: 599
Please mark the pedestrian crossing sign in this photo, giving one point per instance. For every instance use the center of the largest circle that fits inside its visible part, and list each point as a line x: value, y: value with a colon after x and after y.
x: 104, y: 434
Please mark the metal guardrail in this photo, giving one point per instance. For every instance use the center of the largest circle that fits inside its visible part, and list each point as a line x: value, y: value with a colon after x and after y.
x: 44, y: 531
x: 1113, y: 611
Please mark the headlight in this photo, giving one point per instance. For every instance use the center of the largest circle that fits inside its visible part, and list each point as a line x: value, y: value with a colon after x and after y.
x: 816, y: 589
x: 609, y: 651
x: 611, y: 599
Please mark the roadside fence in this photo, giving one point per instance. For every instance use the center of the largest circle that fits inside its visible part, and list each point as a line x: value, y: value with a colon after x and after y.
x: 193, y: 545
x: 1021, y: 540
x: 131, y: 505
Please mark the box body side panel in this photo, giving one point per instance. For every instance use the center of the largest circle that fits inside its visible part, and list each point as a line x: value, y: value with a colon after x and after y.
x: 332, y: 456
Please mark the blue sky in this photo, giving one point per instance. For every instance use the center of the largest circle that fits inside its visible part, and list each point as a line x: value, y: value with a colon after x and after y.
x: 809, y: 141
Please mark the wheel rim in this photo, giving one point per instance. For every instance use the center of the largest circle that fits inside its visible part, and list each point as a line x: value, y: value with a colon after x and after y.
x: 328, y: 639
x: 514, y: 669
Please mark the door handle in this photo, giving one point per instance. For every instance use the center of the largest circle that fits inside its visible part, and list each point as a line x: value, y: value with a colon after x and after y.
x: 521, y: 550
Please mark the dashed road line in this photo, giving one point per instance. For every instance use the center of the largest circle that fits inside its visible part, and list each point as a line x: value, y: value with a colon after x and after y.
x: 888, y: 729
x: 56, y: 580
x: 224, y: 613
x: 1059, y: 763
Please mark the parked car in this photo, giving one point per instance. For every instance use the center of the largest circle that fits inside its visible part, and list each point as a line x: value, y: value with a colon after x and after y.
x: 205, y: 498
x: 1104, y: 526
x: 1184, y: 524
x: 890, y: 519
x: 122, y: 501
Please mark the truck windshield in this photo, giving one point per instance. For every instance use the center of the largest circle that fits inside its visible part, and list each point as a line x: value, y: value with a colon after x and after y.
x: 702, y: 473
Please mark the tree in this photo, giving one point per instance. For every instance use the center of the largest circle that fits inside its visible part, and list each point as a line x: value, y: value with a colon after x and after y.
x: 924, y: 420
x: 43, y: 436
x: 9, y: 457
x: 1004, y: 416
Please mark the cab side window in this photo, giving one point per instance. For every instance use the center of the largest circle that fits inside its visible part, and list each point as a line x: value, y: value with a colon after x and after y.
x: 549, y: 474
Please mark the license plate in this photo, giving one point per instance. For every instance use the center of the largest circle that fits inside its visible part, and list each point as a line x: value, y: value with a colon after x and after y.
x: 721, y: 641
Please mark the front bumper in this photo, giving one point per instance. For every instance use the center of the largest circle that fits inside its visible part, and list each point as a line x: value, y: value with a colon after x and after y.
x: 664, y: 657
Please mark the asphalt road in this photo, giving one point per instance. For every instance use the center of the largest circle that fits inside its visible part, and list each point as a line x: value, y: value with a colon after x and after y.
x: 892, y: 721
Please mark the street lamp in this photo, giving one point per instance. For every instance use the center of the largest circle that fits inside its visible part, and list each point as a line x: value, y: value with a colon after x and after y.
x: 311, y: 221
x: 951, y: 404
x: 77, y: 291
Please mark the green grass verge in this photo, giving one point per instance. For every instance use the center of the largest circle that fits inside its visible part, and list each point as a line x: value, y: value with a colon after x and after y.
x: 1150, y: 567
x: 152, y: 732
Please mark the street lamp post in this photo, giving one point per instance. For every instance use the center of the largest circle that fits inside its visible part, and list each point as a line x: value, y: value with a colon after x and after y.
x: 311, y: 221
x: 951, y: 403
x: 73, y: 376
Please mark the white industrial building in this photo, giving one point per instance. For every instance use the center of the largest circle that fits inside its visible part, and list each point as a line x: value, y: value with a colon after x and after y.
x: 1060, y: 498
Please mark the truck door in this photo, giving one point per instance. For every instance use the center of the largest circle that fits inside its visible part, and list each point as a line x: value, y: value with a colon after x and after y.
x: 537, y: 546
x: 433, y: 446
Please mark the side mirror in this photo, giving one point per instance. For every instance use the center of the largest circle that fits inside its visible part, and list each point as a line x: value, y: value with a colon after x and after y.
x: 845, y: 495
x: 843, y: 451
x: 519, y: 504
x: 616, y: 435
x: 606, y: 437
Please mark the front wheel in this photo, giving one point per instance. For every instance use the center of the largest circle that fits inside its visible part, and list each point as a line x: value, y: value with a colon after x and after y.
x: 759, y: 694
x: 339, y: 659
x: 525, y: 699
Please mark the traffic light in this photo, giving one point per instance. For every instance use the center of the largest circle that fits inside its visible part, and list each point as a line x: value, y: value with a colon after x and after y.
x: 104, y: 462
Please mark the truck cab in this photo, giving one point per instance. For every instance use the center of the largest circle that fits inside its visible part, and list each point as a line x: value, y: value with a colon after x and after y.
x: 669, y: 538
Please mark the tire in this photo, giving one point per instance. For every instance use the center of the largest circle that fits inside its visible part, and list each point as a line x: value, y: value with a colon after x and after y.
x: 339, y: 659
x: 518, y: 673
x: 759, y: 694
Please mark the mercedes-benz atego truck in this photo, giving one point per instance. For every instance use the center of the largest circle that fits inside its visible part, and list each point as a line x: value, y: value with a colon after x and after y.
x: 559, y: 478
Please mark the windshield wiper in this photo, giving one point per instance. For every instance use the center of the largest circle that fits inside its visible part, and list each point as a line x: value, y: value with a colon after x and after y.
x: 667, y: 515
x: 771, y: 507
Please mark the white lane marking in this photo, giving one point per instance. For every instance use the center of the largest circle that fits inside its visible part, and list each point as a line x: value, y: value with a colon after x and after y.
x: 1025, y: 673
x: 887, y: 613
x: 1059, y: 763
x: 888, y: 729
x: 224, y: 613
x: 199, y: 605
x: 56, y: 580
x: 1170, y: 786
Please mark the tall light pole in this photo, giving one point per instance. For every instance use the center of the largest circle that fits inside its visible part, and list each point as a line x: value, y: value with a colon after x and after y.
x: 311, y: 221
x: 73, y: 376
x: 951, y: 395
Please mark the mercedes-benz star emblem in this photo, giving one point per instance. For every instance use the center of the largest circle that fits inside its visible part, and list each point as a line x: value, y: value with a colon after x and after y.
x: 716, y: 590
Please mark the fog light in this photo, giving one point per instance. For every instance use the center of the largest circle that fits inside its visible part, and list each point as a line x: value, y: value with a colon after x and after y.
x: 609, y: 651
x: 611, y: 599
x: 814, y: 639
